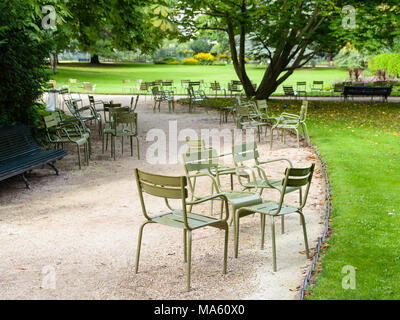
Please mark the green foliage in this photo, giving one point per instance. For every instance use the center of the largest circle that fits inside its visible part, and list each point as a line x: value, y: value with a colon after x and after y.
x: 360, y: 144
x: 23, y: 50
x: 389, y: 62
x: 200, y: 45
x: 348, y: 58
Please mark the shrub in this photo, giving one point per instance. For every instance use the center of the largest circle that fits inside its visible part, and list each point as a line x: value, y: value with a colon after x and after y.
x: 218, y: 63
x: 190, y: 61
x: 205, y: 58
x: 23, y: 53
x: 389, y: 62
x: 173, y: 62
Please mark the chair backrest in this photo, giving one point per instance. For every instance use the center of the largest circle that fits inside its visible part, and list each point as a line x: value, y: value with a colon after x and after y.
x: 125, y: 118
x: 245, y: 152
x: 318, y: 84
x: 262, y: 105
x: 288, y: 90
x: 72, y: 107
x: 185, y: 83
x: 88, y: 86
x: 51, y: 121
x: 133, y: 107
x: 144, y: 86
x: 297, y: 177
x: 215, y: 85
x: 167, y: 83
x: 196, y: 161
x: 166, y: 187
x: 195, y: 145
x: 155, y: 90
x: 301, y: 85
x: 242, y: 110
x: 303, y: 110
x: 194, y: 84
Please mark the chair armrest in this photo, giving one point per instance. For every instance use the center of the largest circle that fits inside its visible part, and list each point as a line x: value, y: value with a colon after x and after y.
x: 222, y: 196
x: 276, y: 160
x: 246, y: 169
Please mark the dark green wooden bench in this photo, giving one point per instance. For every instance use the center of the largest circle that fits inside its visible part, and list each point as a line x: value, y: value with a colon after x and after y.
x: 384, y: 92
x: 20, y: 153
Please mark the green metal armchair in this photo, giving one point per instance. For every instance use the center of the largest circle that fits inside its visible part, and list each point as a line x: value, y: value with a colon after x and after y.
x: 294, y: 178
x: 67, y: 132
x: 176, y: 188
x: 288, y: 121
x: 205, y: 164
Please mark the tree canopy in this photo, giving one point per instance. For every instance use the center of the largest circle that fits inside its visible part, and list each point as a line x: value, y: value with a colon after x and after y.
x: 290, y: 32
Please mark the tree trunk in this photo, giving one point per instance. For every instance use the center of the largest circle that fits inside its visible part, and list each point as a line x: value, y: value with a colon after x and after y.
x: 94, y: 59
x: 53, y: 62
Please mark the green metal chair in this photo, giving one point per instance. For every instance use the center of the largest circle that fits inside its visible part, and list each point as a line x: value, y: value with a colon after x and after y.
x: 198, y: 145
x: 295, y: 178
x: 161, y: 96
x: 288, y: 121
x: 289, y: 91
x: 94, y: 102
x: 301, y: 88
x: 176, y: 188
x: 107, y: 128
x: 247, y: 156
x: 124, y: 124
x: 215, y: 86
x: 246, y: 117
x: 205, y: 164
x: 68, y: 132
x: 317, y: 85
x: 195, y: 96
x: 261, y: 109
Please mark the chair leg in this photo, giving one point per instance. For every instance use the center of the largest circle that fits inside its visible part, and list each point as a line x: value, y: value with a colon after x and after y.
x: 262, y: 216
x: 139, y: 246
x: 236, y: 226
x: 185, y: 245
x: 137, y: 147
x: 189, y: 260
x: 303, y: 222
x: 273, y: 242
x: 226, y: 248
x: 79, y: 156
x: 272, y: 137
x: 282, y: 224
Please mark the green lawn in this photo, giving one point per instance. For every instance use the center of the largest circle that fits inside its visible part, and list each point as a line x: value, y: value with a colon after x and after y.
x: 360, y: 142
x: 108, y: 77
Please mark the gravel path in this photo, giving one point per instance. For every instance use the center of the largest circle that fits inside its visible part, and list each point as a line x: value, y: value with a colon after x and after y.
x: 74, y: 236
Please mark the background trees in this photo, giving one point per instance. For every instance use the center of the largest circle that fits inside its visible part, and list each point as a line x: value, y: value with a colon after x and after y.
x: 291, y: 32
x: 24, y: 47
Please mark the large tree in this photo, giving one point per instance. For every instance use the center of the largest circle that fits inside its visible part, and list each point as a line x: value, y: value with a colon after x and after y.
x: 291, y: 32
x: 100, y: 25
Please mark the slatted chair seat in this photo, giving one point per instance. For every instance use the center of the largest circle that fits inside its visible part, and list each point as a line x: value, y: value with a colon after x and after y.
x: 176, y: 219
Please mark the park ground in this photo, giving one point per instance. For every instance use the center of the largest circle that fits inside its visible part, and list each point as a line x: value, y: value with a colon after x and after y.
x: 83, y: 226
